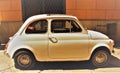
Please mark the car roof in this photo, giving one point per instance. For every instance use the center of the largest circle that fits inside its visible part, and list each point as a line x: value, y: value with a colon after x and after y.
x: 46, y: 16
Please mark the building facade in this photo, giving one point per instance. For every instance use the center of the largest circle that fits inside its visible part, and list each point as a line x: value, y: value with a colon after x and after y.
x: 10, y: 10
x: 99, y: 15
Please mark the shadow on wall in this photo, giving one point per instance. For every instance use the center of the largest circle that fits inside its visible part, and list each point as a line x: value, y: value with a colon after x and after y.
x: 8, y: 29
x: 107, y: 27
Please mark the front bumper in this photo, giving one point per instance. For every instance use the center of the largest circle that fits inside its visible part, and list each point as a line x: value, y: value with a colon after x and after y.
x: 113, y: 51
x: 111, y: 44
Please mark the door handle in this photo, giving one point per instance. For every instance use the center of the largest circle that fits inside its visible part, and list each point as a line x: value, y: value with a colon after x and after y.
x: 53, y: 39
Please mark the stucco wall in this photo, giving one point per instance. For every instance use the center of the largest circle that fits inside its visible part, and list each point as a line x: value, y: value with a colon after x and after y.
x: 10, y: 10
x: 94, y: 9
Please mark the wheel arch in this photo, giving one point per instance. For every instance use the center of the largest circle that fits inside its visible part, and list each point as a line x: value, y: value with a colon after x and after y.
x: 21, y: 65
x: 23, y: 49
x: 104, y: 48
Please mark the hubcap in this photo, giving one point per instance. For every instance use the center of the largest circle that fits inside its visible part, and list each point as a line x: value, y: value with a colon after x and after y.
x: 101, y: 57
x: 24, y: 59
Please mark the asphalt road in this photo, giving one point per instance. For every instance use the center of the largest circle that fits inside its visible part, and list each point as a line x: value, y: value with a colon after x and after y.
x: 7, y: 66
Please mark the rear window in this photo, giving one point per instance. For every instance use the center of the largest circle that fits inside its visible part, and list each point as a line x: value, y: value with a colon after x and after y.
x: 37, y: 27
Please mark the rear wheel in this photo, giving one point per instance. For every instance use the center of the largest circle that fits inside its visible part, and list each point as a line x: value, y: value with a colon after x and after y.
x: 24, y: 60
x: 100, y: 58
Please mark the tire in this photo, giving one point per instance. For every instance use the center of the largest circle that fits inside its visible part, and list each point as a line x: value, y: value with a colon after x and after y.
x: 24, y: 60
x: 100, y: 58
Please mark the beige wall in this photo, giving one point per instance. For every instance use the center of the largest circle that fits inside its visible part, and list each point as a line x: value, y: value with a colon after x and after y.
x: 10, y: 10
x: 94, y: 9
x: 91, y: 13
x: 96, y: 14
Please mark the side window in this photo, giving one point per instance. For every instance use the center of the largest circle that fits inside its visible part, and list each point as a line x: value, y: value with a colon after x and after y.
x: 37, y: 27
x: 64, y: 26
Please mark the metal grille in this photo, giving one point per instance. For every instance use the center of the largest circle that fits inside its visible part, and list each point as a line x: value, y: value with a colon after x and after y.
x: 54, y: 6
x: 34, y: 7
x: 31, y: 7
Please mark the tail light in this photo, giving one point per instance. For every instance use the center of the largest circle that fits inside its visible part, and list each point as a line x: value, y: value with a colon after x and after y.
x: 6, y: 46
x: 10, y: 38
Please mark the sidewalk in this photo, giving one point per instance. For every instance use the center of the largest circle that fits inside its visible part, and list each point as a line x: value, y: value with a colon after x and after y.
x: 7, y: 66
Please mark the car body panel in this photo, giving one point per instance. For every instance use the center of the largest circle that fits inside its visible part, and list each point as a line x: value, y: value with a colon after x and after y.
x: 58, y: 46
x: 71, y: 45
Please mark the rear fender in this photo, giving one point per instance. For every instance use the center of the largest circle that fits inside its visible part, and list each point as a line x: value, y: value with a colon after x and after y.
x: 22, y: 47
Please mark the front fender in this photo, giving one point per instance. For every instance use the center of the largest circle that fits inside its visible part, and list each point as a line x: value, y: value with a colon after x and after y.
x: 98, y: 46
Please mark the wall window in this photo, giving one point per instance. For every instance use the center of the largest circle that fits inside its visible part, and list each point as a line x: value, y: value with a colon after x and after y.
x: 37, y: 27
x: 111, y: 28
x: 64, y: 26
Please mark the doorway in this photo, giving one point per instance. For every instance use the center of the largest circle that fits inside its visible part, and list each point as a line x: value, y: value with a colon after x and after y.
x: 35, y: 7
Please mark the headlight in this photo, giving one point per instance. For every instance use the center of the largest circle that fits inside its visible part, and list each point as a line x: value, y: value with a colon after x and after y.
x: 111, y: 42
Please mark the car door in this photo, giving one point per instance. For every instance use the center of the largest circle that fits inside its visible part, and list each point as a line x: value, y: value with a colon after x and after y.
x: 67, y: 41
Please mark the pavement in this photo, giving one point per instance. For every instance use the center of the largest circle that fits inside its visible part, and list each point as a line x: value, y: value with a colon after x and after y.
x: 7, y: 66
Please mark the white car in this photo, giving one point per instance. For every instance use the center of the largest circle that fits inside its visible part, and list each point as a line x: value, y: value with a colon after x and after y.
x: 57, y: 38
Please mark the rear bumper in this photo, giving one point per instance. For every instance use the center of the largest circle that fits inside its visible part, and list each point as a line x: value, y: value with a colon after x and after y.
x: 6, y: 54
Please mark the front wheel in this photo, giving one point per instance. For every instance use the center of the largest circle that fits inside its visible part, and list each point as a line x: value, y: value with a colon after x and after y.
x: 100, y: 58
x: 24, y: 60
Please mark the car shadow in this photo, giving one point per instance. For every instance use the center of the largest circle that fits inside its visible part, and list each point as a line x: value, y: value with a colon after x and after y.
x: 113, y: 63
x: 63, y: 65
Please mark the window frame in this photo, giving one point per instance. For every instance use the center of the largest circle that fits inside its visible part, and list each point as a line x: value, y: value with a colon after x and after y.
x: 70, y: 25
x: 36, y: 21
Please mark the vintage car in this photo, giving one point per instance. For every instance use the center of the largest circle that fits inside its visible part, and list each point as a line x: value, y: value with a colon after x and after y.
x: 57, y: 37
